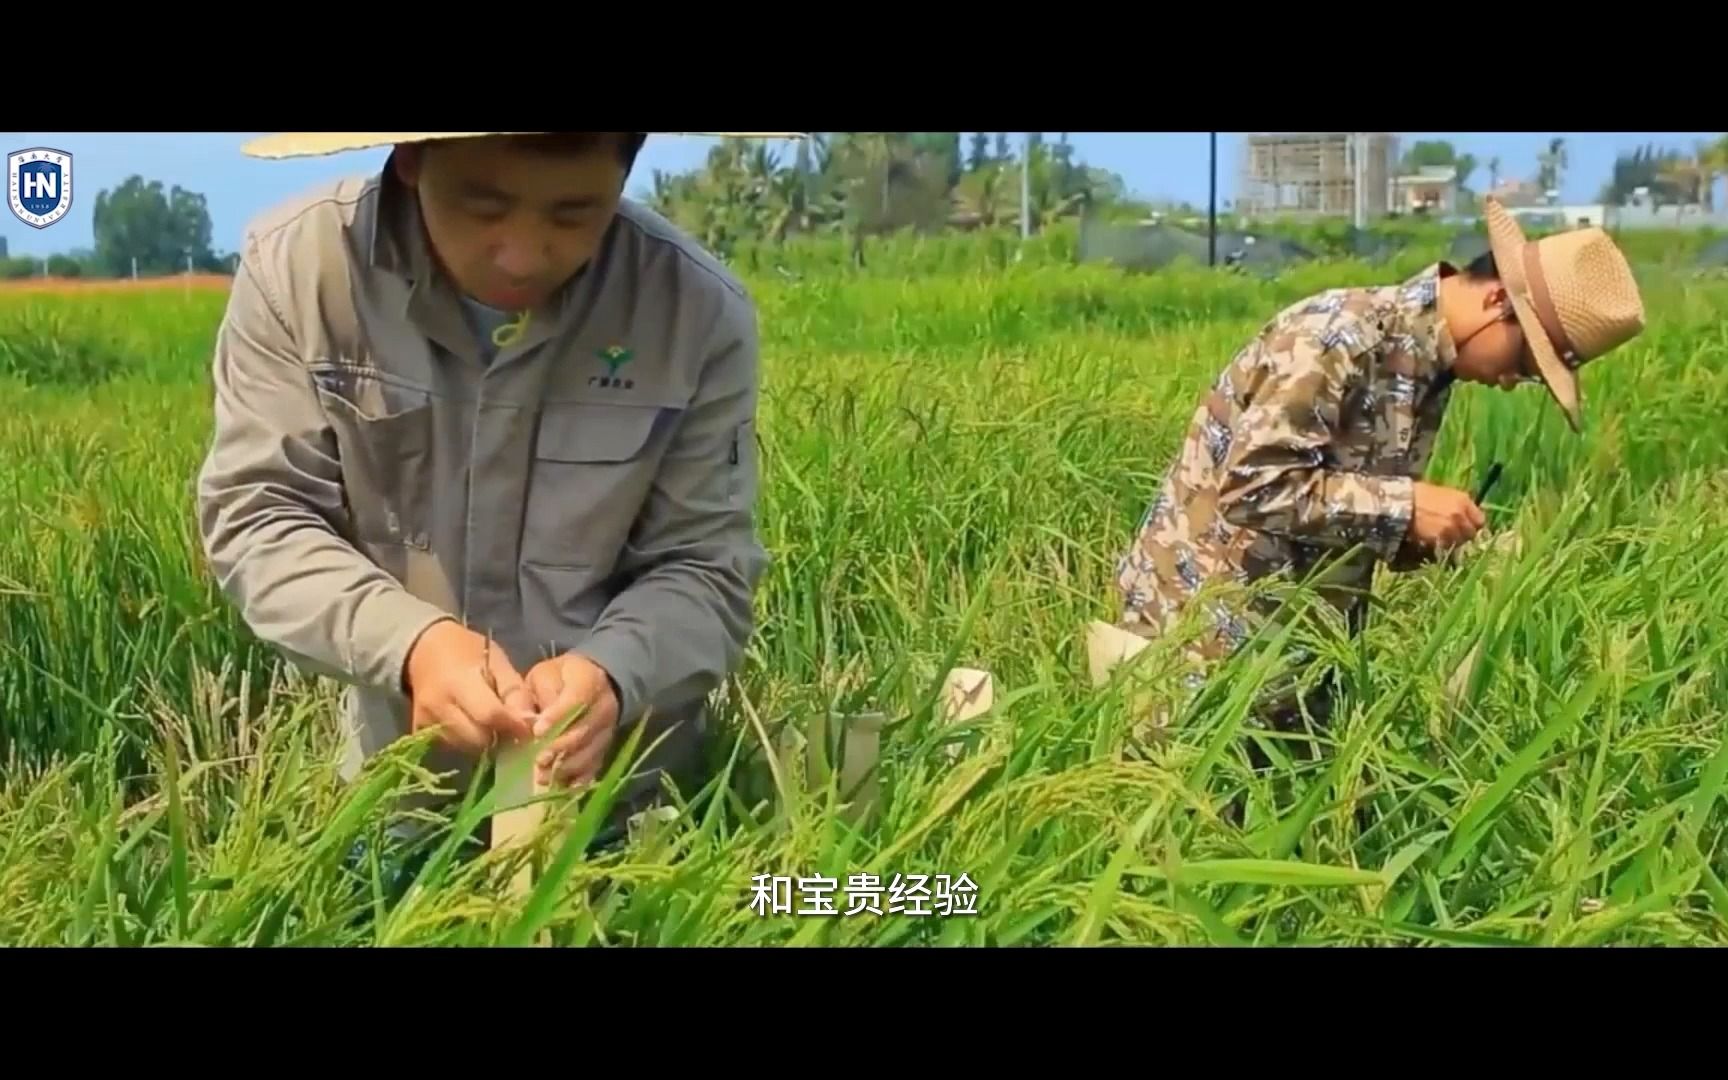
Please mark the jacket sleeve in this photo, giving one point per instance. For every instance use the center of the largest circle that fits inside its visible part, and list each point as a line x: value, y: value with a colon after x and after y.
x: 270, y: 508
x: 694, y: 561
x: 1277, y: 476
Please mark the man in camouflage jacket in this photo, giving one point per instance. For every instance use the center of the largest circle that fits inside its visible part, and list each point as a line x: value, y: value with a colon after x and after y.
x: 1310, y: 446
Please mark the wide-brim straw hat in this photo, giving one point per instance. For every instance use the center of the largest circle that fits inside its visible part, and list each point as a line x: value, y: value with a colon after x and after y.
x: 1574, y: 295
x: 293, y: 144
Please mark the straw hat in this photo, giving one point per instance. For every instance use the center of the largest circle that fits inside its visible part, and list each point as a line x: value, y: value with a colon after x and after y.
x: 1574, y: 295
x: 288, y: 144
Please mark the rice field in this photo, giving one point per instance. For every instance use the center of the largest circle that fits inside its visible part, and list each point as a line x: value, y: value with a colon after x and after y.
x: 953, y: 458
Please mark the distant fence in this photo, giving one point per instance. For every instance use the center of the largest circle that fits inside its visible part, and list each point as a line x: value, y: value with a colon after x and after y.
x: 1147, y: 246
x: 1154, y: 246
x: 1666, y: 217
x: 1641, y: 218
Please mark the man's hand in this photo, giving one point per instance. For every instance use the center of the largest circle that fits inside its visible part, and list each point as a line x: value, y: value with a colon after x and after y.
x: 561, y: 686
x: 1412, y: 555
x: 467, y: 690
x: 1444, y: 517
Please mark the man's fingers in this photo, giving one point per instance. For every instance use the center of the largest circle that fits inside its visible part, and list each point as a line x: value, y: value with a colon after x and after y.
x: 575, y: 737
x: 507, y: 679
x: 1466, y: 519
x: 489, y: 710
x: 582, y: 764
x: 546, y: 682
x: 520, y: 700
x: 458, y: 729
x: 553, y: 713
x: 581, y: 767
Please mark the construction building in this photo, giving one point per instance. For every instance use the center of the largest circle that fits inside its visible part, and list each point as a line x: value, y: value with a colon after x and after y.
x: 1347, y: 174
x: 1431, y: 189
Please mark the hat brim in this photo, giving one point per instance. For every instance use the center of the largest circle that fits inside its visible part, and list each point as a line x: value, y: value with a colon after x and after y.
x: 1506, y: 239
x: 295, y: 144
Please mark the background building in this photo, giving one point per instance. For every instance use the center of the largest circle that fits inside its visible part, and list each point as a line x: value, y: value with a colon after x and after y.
x: 1318, y: 174
x: 1432, y: 190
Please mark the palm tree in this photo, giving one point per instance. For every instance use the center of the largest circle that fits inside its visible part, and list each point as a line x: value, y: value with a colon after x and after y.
x: 1712, y: 162
x: 1686, y: 178
x: 1680, y: 175
x: 984, y: 196
x: 1551, y: 165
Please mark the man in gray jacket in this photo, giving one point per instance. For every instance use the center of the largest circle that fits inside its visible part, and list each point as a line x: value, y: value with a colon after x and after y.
x: 484, y: 449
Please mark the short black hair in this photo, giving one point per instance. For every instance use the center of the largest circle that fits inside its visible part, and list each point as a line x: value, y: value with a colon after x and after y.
x: 1483, y: 268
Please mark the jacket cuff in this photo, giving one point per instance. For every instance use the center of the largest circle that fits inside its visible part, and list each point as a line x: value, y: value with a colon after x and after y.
x: 388, y: 626
x: 1391, y: 526
x: 620, y: 658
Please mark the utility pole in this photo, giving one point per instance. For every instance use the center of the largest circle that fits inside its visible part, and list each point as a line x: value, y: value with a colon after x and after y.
x: 1026, y: 190
x: 1212, y: 207
x: 1358, y: 142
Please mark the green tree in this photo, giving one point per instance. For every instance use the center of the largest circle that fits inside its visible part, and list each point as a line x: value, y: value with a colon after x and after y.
x: 980, y: 154
x: 864, y: 183
x: 1551, y: 165
x: 1439, y: 152
x: 1064, y: 155
x: 1426, y: 152
x: 160, y: 229
x: 1465, y: 164
x: 893, y: 180
x: 1645, y: 167
x: 1713, y: 159
x: 18, y: 267
x: 942, y: 149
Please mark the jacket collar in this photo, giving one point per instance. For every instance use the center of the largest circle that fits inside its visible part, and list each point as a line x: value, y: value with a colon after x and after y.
x: 395, y: 240
x: 1416, y: 312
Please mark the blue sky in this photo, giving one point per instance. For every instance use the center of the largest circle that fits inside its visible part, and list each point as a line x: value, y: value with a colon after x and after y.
x: 1158, y: 164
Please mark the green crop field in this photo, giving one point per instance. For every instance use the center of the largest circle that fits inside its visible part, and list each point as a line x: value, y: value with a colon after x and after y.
x: 955, y: 451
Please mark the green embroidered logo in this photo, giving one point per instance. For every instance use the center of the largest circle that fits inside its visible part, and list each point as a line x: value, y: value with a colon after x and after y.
x: 614, y: 357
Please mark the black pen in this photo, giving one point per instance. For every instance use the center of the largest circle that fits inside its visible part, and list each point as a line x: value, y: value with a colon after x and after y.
x: 1488, y: 482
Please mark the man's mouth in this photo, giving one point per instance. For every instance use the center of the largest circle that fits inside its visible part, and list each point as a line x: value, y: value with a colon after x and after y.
x: 512, y: 299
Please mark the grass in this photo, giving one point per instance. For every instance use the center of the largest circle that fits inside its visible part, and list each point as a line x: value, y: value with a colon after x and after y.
x: 952, y: 464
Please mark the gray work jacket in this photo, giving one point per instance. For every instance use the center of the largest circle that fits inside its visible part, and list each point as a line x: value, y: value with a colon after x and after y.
x: 591, y: 489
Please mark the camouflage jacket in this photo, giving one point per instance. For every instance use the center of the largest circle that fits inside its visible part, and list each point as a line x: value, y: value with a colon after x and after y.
x: 1306, y: 446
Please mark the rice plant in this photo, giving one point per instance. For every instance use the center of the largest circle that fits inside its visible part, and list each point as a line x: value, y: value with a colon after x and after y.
x: 1528, y: 750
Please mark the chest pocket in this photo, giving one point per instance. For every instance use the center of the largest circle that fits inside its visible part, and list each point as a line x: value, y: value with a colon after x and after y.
x: 384, y: 434
x: 593, y: 469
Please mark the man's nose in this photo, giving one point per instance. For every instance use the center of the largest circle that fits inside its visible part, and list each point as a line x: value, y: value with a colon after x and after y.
x: 518, y: 259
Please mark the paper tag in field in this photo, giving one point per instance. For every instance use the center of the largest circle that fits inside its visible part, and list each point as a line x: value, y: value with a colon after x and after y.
x: 514, y: 822
x: 1107, y: 646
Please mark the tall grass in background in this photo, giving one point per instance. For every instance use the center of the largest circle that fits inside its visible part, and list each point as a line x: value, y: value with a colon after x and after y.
x: 956, y: 446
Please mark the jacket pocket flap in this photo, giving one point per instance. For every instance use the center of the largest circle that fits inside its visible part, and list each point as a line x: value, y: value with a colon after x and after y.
x: 595, y: 433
